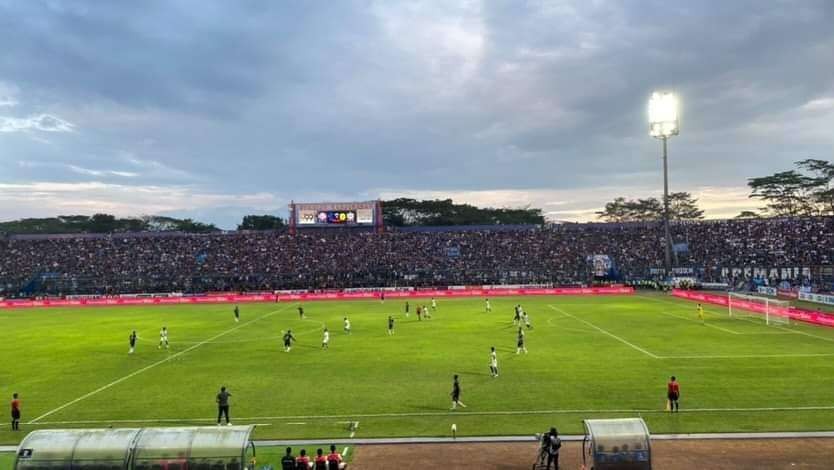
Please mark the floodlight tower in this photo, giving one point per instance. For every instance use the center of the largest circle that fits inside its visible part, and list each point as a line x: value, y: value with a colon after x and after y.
x: 664, y: 122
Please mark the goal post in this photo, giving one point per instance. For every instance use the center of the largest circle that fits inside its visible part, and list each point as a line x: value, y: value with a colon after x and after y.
x: 773, y: 311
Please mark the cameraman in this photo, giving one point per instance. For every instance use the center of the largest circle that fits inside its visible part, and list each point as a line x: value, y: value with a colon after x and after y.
x: 550, y: 445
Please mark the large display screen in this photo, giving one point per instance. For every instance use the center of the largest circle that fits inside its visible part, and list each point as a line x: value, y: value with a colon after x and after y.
x: 322, y: 215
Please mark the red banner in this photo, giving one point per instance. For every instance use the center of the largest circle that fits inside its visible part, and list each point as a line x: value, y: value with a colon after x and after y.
x: 807, y: 316
x: 244, y: 298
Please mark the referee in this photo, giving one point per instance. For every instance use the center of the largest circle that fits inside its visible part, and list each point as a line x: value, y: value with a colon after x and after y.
x: 223, y: 405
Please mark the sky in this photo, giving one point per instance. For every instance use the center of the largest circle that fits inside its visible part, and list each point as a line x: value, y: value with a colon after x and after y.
x: 214, y: 110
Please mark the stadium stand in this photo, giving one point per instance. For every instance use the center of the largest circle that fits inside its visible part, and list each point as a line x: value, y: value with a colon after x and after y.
x: 334, y: 259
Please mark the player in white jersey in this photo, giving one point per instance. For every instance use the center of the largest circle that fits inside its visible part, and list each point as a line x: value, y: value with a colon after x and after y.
x: 163, y: 338
x: 488, y: 306
x: 493, y: 363
x: 347, y: 325
x: 433, y: 304
x: 526, y: 319
x: 325, y: 339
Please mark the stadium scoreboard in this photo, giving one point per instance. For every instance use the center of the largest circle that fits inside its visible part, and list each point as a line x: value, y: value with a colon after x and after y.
x: 335, y: 214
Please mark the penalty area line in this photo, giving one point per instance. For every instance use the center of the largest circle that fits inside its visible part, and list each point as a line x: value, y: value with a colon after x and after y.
x: 151, y: 366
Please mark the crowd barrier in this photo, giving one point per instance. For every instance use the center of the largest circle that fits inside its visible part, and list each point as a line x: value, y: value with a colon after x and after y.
x: 244, y: 298
x: 807, y: 316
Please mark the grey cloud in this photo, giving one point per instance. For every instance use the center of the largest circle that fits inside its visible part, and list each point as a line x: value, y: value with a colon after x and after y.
x: 343, y: 97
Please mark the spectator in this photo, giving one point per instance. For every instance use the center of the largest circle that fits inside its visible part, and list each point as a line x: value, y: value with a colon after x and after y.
x: 320, y: 463
x: 334, y: 459
x: 302, y: 462
x: 288, y: 461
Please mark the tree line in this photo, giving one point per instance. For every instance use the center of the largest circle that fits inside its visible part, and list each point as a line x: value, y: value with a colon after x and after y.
x: 397, y: 212
x: 807, y: 190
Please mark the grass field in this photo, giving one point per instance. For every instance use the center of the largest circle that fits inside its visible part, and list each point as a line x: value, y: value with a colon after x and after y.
x: 588, y: 357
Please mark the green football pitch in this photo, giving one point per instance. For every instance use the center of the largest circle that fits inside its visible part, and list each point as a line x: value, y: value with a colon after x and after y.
x: 589, y: 357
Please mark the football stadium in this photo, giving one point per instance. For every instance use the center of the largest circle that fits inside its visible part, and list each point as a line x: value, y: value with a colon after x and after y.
x: 417, y: 235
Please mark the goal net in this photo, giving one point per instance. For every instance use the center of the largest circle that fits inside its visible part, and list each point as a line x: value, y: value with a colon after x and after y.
x: 774, y: 312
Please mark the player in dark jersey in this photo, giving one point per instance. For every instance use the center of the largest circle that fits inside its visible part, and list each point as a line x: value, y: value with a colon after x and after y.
x: 517, y: 316
x: 237, y: 314
x: 520, y: 343
x: 456, y: 394
x: 15, y: 412
x: 300, y: 312
x: 390, y: 325
x: 673, y: 393
x: 406, y: 308
x: 132, y: 340
x: 288, y: 339
x: 419, y: 313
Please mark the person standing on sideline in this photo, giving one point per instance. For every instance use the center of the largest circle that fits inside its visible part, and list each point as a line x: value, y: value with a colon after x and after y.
x: 15, y: 412
x: 132, y: 340
x: 456, y: 394
x: 237, y: 314
x: 673, y: 393
x: 223, y: 405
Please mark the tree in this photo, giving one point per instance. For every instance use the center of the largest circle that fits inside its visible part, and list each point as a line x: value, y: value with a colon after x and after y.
x: 102, y: 223
x: 748, y: 215
x: 682, y: 206
x: 786, y: 193
x: 191, y: 226
x: 821, y: 184
x: 407, y: 212
x: 261, y: 222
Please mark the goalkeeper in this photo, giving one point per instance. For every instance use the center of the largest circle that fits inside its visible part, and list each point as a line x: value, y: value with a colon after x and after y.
x: 701, y: 313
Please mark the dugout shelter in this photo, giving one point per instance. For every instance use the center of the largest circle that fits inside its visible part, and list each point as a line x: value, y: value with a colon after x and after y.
x: 181, y: 448
x: 616, y: 444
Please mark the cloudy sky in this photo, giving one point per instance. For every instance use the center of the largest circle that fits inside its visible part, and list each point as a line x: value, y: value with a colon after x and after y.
x: 218, y: 109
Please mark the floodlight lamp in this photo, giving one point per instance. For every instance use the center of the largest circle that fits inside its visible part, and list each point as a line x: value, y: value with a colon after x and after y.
x: 664, y: 120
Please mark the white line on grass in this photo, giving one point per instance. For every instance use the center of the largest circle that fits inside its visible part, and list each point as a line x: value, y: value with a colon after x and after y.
x: 601, y: 330
x: 151, y: 366
x: 453, y: 413
x: 354, y: 428
x: 748, y: 356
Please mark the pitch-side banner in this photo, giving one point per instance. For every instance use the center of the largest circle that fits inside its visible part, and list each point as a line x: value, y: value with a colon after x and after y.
x: 818, y: 298
x: 807, y: 316
x: 234, y: 298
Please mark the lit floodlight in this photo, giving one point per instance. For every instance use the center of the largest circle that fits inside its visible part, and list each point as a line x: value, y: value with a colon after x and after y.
x: 664, y: 120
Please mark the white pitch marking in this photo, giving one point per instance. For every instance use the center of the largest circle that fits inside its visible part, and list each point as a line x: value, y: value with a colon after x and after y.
x: 151, y: 366
x: 455, y: 413
x: 638, y: 348
x: 748, y: 356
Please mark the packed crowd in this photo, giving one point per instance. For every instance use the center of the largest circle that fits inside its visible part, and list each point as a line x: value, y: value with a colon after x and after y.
x: 343, y: 258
